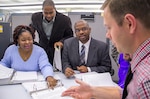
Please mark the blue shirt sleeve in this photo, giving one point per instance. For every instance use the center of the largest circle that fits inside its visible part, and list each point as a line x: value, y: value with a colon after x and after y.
x: 44, y: 65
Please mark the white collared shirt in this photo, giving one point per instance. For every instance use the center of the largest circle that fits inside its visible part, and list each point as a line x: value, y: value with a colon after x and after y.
x: 87, y: 44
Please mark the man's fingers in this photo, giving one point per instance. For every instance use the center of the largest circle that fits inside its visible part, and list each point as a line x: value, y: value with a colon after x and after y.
x: 79, y: 82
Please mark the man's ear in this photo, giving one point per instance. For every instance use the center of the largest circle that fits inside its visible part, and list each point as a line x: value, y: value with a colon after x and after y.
x: 130, y: 22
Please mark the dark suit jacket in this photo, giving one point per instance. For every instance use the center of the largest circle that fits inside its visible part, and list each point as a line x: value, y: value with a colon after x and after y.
x: 62, y: 29
x: 98, y: 57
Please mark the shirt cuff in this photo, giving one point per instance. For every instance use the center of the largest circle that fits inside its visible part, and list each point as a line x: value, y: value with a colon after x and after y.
x: 89, y: 69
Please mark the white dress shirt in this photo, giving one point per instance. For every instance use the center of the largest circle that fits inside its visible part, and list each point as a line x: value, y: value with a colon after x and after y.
x: 87, y: 44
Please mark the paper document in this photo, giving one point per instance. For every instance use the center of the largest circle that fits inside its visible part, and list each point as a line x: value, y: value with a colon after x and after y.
x: 79, y: 75
x: 21, y: 76
x: 5, y: 74
x: 99, y: 79
x: 57, y: 59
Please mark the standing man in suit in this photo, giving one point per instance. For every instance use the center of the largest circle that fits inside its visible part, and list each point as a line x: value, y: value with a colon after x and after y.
x: 53, y: 28
x: 96, y: 52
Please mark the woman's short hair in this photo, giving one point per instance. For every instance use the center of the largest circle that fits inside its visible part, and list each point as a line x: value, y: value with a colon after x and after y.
x: 19, y: 30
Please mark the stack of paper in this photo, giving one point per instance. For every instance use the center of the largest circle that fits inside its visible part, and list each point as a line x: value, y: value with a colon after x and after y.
x: 5, y: 74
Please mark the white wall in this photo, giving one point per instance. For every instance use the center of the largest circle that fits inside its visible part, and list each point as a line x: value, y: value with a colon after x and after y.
x: 22, y: 19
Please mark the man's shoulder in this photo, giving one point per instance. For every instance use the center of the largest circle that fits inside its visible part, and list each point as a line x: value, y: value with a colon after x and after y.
x: 61, y: 15
x: 70, y: 39
x: 36, y: 17
x: 36, y: 14
x: 98, y: 41
x: 142, y: 71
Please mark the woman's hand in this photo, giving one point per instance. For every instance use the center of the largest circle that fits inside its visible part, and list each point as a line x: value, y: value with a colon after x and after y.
x: 51, y: 82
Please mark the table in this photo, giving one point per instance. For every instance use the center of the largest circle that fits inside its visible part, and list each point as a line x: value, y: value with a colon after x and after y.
x: 16, y: 91
x: 13, y: 92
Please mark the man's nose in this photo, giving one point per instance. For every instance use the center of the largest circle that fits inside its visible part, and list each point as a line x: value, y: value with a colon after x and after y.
x: 108, y: 35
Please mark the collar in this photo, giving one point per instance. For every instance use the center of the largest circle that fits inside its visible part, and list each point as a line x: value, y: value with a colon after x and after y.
x: 44, y: 19
x: 86, y: 44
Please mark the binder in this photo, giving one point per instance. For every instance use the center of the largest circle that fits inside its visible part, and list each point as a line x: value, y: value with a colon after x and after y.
x: 40, y: 90
x: 50, y: 94
x: 32, y: 87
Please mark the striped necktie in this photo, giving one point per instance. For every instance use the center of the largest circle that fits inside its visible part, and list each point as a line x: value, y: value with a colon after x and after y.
x: 82, y: 56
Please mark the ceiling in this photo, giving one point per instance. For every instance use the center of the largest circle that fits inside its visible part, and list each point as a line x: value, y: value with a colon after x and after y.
x: 31, y: 6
